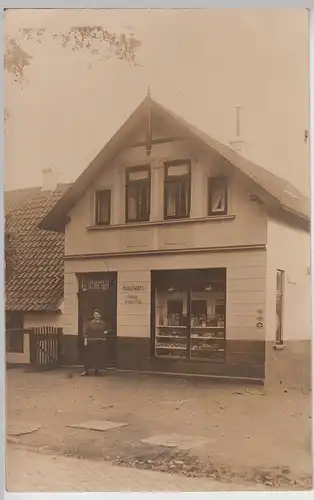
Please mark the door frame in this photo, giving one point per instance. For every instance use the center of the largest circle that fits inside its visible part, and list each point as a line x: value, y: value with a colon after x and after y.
x: 280, y: 291
x: 112, y: 278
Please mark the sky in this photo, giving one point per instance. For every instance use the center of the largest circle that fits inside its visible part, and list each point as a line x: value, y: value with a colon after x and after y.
x: 202, y: 64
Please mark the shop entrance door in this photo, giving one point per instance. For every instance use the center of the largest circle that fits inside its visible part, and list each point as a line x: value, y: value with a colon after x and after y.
x: 99, y: 291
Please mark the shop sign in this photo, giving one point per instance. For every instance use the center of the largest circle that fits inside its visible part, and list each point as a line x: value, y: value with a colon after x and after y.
x: 132, y: 293
x: 132, y: 287
x: 132, y: 299
x: 94, y: 284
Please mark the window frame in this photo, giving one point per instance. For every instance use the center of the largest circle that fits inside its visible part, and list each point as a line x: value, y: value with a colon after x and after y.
x: 97, y: 193
x: 14, y: 332
x: 169, y: 179
x: 14, y: 340
x: 184, y: 283
x: 210, y: 181
x: 147, y: 181
x: 280, y: 301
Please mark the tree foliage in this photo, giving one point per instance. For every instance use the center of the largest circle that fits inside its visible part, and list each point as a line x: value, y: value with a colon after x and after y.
x: 95, y: 40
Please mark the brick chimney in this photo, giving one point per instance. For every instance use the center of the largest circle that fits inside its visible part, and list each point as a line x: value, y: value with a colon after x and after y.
x: 49, y: 180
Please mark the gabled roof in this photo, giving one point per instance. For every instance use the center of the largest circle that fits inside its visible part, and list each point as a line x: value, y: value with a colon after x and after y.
x: 279, y: 193
x: 36, y: 283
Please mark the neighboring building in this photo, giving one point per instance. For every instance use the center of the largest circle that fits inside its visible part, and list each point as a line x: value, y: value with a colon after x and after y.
x: 34, y: 266
x: 189, y: 251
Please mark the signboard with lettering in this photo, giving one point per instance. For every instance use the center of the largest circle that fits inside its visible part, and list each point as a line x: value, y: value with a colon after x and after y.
x: 94, y: 284
x: 132, y: 287
x: 132, y: 299
x: 133, y: 293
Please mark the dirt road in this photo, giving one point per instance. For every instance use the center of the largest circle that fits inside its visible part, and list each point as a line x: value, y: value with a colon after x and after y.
x: 251, y: 435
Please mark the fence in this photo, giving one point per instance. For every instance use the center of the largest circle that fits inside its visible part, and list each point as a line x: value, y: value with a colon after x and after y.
x: 45, y: 347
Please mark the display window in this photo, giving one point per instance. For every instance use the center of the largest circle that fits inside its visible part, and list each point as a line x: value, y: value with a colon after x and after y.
x: 189, y: 314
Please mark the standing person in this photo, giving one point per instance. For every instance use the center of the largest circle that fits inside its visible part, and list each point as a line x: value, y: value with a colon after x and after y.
x: 94, y: 344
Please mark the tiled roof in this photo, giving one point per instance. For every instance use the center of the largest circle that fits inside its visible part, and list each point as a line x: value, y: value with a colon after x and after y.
x: 36, y: 283
x: 13, y: 198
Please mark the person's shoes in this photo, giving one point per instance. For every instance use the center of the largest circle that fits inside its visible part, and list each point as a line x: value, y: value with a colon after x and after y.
x: 84, y: 374
x: 97, y: 373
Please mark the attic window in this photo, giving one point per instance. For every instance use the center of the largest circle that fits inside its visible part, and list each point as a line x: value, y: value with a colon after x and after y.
x: 217, y: 196
x: 103, y: 207
x: 137, y: 206
x: 177, y: 189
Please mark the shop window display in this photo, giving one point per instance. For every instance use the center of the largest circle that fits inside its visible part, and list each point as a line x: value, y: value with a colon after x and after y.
x: 190, y: 318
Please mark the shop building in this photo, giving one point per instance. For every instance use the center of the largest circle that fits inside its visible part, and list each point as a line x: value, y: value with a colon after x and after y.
x: 174, y: 237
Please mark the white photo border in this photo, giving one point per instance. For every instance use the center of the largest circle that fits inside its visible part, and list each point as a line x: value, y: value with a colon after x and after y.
x: 141, y: 4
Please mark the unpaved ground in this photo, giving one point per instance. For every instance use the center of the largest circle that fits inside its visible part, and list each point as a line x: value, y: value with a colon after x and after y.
x: 253, y: 434
x: 32, y: 471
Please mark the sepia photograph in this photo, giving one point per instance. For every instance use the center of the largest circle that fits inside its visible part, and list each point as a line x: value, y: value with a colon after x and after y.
x: 157, y: 250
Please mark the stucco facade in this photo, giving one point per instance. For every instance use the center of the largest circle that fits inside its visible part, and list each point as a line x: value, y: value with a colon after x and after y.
x: 288, y: 249
x: 38, y: 319
x: 244, y: 225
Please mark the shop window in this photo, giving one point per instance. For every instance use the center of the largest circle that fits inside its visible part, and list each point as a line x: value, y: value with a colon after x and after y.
x: 137, y: 205
x: 189, y: 314
x: 177, y: 190
x: 103, y: 207
x: 217, y: 196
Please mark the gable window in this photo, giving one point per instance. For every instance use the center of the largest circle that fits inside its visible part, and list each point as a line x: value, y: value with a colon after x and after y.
x: 137, y: 203
x: 217, y: 196
x: 103, y: 207
x: 177, y: 189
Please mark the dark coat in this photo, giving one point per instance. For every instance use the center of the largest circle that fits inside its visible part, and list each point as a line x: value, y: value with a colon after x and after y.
x: 94, y: 351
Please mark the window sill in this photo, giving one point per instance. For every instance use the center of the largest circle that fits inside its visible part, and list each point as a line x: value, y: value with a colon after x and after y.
x: 279, y: 347
x: 166, y: 222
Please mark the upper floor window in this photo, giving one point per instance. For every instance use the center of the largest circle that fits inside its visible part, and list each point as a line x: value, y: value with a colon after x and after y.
x: 103, y: 207
x: 217, y: 196
x: 137, y: 203
x: 177, y: 189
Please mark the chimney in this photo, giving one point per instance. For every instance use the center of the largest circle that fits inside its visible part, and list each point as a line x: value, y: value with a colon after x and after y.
x: 237, y: 143
x: 49, y: 180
